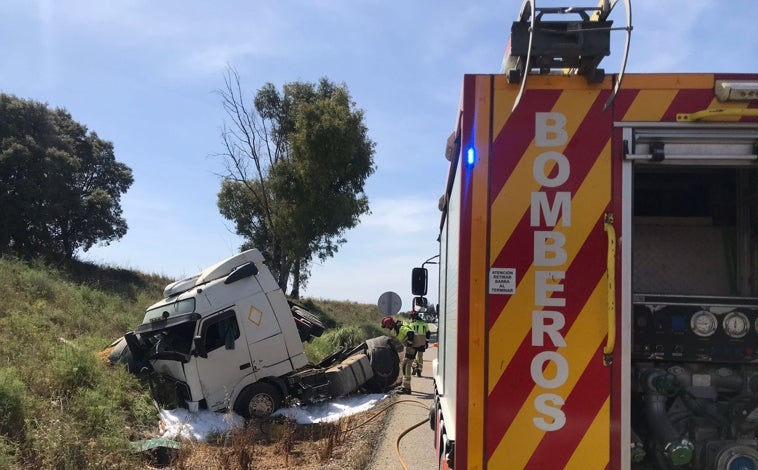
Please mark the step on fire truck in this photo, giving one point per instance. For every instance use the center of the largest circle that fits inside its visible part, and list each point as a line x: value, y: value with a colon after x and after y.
x: 598, y: 283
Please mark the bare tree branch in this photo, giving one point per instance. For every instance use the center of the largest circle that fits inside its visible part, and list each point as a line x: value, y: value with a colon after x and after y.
x: 299, y: 210
x: 245, y: 132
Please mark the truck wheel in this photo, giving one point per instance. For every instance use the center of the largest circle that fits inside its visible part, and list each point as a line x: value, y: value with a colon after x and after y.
x: 258, y: 400
x: 317, y: 328
x: 385, y: 363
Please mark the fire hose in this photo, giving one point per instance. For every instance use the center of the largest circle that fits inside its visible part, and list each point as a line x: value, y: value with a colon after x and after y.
x: 405, y: 431
x: 400, y: 437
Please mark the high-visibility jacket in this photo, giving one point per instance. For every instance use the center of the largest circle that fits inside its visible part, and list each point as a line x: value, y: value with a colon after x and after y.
x: 421, y: 332
x: 404, y: 332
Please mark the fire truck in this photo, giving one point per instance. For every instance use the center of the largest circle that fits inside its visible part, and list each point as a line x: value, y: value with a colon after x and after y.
x: 598, y: 262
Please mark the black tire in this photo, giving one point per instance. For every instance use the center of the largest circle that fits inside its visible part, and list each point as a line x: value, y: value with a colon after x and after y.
x: 385, y: 363
x: 258, y: 400
x: 317, y: 328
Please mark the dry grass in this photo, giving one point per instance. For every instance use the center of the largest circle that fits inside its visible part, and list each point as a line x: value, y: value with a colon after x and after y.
x: 76, y: 413
x: 345, y: 445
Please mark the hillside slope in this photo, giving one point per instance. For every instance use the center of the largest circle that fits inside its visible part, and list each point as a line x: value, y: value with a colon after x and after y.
x: 63, y: 407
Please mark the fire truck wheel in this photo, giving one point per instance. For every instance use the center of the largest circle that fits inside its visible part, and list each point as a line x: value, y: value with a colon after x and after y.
x: 385, y: 364
x: 258, y: 400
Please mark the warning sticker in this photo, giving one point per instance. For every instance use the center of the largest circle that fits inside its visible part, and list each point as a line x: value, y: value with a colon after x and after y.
x: 503, y: 281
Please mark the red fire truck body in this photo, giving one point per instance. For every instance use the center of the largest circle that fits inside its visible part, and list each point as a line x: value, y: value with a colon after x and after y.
x: 598, y: 298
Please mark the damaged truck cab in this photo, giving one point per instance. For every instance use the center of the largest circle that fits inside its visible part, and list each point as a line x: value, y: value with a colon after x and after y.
x: 228, y: 338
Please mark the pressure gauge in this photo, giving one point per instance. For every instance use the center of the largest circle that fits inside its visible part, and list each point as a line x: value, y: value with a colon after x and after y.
x: 736, y: 324
x: 704, y: 323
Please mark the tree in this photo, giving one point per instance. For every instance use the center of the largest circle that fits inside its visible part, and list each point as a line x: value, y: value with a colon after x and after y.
x: 296, y: 165
x: 60, y: 185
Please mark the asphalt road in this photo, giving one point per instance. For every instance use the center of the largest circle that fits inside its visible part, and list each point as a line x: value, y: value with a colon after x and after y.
x: 417, y: 446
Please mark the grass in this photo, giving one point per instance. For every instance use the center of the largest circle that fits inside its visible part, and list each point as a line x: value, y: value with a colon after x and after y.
x: 60, y: 405
x: 343, y: 445
x: 63, y: 407
x: 342, y: 313
x: 345, y: 337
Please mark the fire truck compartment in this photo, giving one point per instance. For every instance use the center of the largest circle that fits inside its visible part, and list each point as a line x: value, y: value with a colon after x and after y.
x: 695, y: 316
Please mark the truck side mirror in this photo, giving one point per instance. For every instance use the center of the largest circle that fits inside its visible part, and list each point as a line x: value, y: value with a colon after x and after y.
x: 419, y: 278
x: 200, y: 347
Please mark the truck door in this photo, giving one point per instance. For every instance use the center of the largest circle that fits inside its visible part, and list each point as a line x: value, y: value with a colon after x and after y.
x: 227, y: 358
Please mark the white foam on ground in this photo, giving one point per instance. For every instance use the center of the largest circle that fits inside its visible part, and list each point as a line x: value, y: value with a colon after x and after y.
x: 331, y: 411
x: 181, y: 424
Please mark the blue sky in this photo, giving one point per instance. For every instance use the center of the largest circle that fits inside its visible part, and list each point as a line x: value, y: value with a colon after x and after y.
x: 143, y: 75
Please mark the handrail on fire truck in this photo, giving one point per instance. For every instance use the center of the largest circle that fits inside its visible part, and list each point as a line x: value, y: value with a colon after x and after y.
x: 716, y: 114
x: 610, y: 344
x: 575, y: 46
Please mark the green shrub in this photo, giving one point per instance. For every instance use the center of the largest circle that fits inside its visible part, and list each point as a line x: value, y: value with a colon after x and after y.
x: 90, y: 423
x: 56, y: 443
x: 129, y: 397
x: 12, y: 411
x: 38, y: 284
x: 73, y: 367
x: 372, y: 330
x: 332, y: 340
x: 99, y: 422
x: 347, y: 337
x: 9, y: 453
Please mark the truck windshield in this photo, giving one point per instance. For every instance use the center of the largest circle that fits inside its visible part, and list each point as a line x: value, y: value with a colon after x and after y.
x: 173, y: 309
x: 171, y: 343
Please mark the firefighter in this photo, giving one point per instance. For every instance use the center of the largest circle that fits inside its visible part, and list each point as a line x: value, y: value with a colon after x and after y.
x: 420, y: 341
x: 404, y: 333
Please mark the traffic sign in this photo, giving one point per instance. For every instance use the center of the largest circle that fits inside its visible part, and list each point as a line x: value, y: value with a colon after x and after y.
x: 389, y: 303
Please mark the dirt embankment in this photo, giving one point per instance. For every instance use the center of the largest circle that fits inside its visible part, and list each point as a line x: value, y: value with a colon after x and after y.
x: 345, y: 445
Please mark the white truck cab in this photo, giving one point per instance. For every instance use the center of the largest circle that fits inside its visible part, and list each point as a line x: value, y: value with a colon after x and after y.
x: 228, y: 338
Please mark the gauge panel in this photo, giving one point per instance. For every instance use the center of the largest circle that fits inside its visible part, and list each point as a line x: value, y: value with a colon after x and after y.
x: 704, y: 323
x: 721, y: 332
x: 736, y: 324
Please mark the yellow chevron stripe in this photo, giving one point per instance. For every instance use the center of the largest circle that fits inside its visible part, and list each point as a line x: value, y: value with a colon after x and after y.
x: 649, y: 105
x: 477, y: 282
x: 583, y: 339
x: 512, y: 326
x: 594, y: 450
